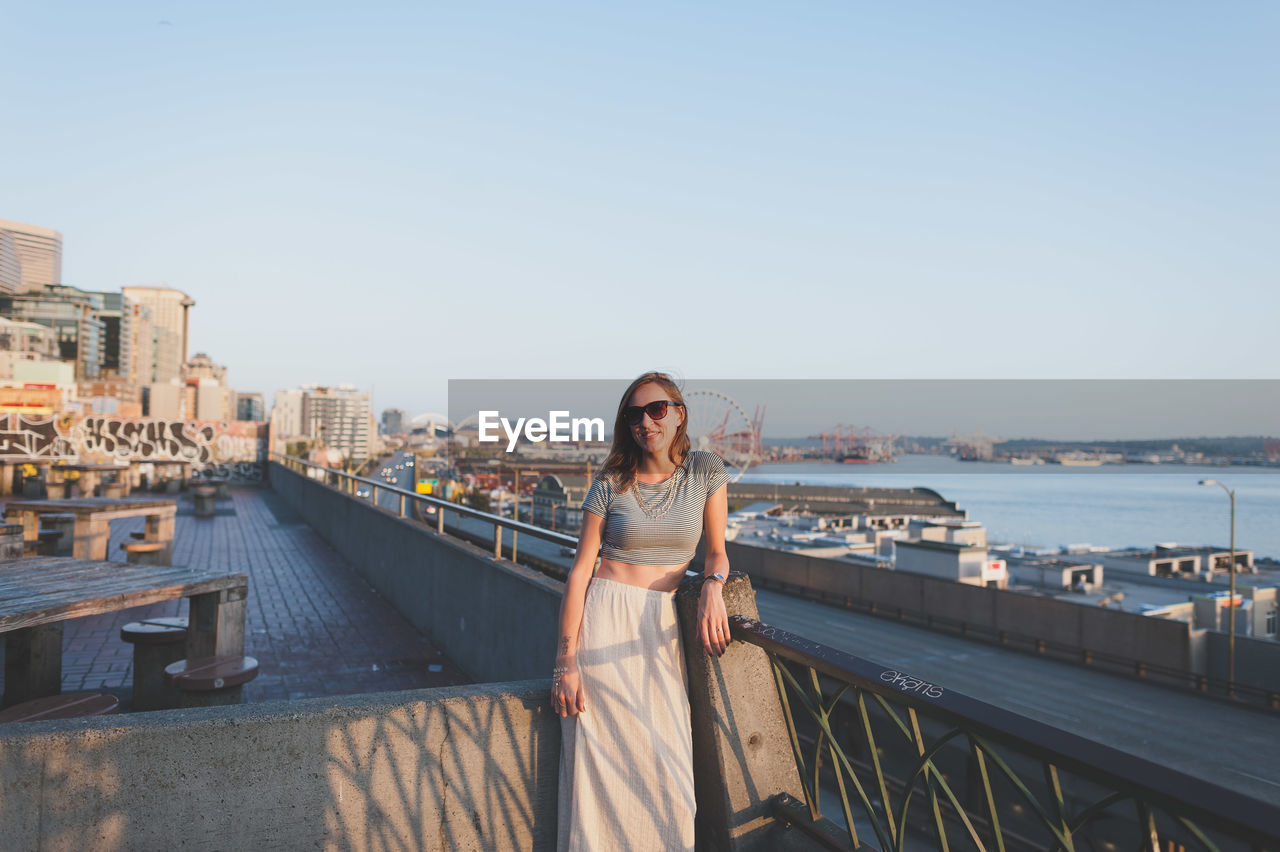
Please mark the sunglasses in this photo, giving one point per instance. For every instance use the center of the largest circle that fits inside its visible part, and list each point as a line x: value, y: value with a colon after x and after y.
x: 656, y: 411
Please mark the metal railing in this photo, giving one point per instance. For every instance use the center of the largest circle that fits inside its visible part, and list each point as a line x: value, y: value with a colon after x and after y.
x: 916, y: 765
x: 349, y: 483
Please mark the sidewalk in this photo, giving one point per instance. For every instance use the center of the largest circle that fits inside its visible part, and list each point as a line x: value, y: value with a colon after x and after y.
x: 314, y: 625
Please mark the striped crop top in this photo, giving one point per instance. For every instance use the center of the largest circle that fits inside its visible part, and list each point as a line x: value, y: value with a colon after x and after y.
x: 632, y: 536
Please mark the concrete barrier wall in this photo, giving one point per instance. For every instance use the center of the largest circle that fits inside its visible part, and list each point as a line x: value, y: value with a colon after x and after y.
x: 496, y: 620
x: 1257, y: 660
x: 470, y: 767
x: 1068, y: 630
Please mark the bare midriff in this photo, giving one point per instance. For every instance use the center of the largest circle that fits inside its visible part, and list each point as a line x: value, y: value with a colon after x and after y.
x: 662, y: 578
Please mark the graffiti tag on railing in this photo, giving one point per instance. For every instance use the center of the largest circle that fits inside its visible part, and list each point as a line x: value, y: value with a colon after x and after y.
x: 907, y: 683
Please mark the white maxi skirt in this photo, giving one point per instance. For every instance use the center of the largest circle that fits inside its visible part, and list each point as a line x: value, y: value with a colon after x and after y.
x: 626, y: 763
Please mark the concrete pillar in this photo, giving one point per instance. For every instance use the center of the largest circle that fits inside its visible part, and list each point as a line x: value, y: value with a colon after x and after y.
x: 741, y: 750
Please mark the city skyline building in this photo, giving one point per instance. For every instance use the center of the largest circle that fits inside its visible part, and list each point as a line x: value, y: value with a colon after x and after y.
x: 142, y: 333
x: 117, y: 335
x: 10, y: 266
x: 201, y: 366
x: 286, y: 413
x: 339, y: 417
x: 25, y: 341
x: 170, y: 319
x: 38, y: 251
x: 73, y: 314
x: 205, y: 392
x: 250, y: 406
x: 393, y: 421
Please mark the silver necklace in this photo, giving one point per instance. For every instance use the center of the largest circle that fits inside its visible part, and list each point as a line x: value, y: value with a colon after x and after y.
x: 658, y: 510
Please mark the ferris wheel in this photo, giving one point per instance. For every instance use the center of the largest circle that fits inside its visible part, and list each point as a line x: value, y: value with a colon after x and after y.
x: 718, y: 424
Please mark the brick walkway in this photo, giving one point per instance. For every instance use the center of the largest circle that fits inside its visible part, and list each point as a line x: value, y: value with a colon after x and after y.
x: 314, y: 625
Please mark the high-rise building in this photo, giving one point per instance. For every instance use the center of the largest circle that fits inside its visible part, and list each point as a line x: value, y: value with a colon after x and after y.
x: 73, y: 314
x: 39, y: 254
x: 393, y: 421
x: 339, y: 417
x: 10, y: 266
x: 25, y: 341
x: 249, y: 406
x: 170, y: 316
x: 117, y: 335
x: 143, y: 344
x: 286, y: 414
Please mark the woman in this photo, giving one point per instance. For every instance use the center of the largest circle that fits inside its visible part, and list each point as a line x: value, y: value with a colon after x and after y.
x: 626, y: 763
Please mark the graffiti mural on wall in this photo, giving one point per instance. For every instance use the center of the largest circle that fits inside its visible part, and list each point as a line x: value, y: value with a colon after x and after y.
x: 221, y: 451
x: 35, y: 437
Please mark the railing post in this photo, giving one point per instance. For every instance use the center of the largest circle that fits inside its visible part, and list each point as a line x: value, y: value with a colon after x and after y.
x: 742, y: 753
x: 440, y: 519
x: 402, y: 506
x: 497, y: 541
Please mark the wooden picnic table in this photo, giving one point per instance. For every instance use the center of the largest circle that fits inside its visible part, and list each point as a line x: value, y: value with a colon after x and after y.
x: 38, y: 594
x: 92, y: 528
x: 92, y: 474
x: 9, y: 466
x: 168, y: 474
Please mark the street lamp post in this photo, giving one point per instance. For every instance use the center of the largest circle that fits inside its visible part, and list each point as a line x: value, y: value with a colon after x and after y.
x: 1231, y: 600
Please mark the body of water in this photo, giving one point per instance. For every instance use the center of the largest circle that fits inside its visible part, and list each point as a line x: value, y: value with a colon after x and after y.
x: 1052, y: 505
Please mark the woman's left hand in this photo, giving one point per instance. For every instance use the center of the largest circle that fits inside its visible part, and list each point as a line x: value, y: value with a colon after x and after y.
x: 713, y: 618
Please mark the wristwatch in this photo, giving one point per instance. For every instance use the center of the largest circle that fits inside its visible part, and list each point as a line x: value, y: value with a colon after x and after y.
x: 721, y: 578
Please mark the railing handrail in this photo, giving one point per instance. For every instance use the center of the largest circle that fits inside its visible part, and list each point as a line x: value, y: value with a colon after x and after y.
x: 465, y: 511
x: 1091, y: 760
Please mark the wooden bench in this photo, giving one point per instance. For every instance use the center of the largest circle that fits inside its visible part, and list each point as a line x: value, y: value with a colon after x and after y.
x: 66, y: 706
x: 145, y: 552
x: 38, y: 595
x: 157, y: 642
x: 211, y: 681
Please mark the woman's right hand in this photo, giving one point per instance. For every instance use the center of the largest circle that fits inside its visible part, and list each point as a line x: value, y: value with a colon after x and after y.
x: 567, y: 698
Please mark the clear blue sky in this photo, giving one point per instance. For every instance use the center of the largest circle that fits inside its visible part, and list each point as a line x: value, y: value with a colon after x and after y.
x: 395, y: 195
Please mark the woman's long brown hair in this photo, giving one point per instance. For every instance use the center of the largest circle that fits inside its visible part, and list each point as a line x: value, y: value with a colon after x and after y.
x: 624, y: 457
